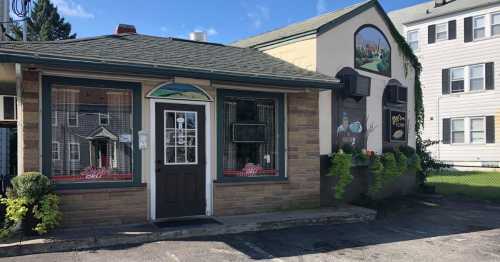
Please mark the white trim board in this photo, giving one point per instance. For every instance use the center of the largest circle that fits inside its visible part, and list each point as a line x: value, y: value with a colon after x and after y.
x: 208, y: 146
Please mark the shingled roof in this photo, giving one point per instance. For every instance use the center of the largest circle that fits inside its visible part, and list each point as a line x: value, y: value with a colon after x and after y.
x: 298, y: 29
x: 157, y: 55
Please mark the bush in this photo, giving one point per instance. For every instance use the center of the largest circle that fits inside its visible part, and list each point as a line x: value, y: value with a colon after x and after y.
x: 377, y: 170
x: 31, y: 205
x: 391, y: 169
x: 341, y: 168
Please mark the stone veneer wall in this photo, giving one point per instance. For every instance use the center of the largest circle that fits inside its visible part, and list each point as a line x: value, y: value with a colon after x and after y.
x: 104, y: 207
x: 302, y: 190
x: 31, y: 117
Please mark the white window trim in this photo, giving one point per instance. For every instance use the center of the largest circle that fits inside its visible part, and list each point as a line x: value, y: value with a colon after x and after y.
x: 416, y: 41
x: 447, y: 32
x: 76, y: 116
x: 470, y: 77
x: 101, y: 117
x: 464, y: 79
x: 492, y: 24
x: 58, y: 147
x: 470, y: 129
x: 451, y: 131
x: 69, y: 151
x: 484, y: 27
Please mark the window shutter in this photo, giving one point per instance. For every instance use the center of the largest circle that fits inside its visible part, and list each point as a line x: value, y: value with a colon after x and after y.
x: 446, y: 81
x: 490, y: 76
x: 432, y: 34
x: 452, y: 30
x: 468, y: 30
x: 446, y: 131
x: 490, y: 129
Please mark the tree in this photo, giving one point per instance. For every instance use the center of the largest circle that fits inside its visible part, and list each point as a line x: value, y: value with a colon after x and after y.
x: 44, y: 24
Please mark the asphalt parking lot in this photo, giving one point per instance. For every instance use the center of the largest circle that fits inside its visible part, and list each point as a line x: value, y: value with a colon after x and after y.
x: 411, y: 229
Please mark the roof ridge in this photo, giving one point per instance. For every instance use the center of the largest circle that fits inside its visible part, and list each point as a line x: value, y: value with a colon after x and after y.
x: 63, y: 41
x: 317, y: 17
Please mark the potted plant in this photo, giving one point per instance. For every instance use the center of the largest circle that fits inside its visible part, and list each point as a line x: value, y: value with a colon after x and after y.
x: 31, y: 205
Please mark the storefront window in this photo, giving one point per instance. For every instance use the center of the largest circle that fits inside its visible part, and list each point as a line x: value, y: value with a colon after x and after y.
x: 251, y: 132
x: 88, y: 146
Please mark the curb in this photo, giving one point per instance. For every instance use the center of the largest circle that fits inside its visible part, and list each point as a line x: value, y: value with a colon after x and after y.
x: 106, y: 241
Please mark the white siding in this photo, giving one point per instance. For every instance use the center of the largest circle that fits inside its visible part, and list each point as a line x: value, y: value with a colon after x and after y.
x: 453, y: 53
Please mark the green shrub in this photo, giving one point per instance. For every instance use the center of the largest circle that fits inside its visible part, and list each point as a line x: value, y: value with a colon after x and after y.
x: 402, y: 162
x: 376, y: 168
x: 32, y: 205
x: 341, y: 168
x: 31, y: 185
x: 391, y: 169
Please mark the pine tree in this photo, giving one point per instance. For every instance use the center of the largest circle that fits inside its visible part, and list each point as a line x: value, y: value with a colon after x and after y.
x: 44, y: 24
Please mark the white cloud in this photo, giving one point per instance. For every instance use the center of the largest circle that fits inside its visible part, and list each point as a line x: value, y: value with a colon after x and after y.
x: 211, y: 31
x: 320, y: 6
x: 259, y: 15
x: 69, y: 8
x: 164, y: 29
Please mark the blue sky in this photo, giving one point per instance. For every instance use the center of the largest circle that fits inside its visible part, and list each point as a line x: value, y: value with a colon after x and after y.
x: 224, y: 20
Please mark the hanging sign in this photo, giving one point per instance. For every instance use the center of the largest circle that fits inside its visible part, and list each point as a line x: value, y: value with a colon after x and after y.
x: 398, y: 126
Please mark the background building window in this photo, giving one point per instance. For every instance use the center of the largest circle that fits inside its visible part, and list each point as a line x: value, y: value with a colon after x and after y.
x: 457, y: 131
x: 477, y: 130
x: 54, y: 118
x: 96, y: 149
x: 479, y: 27
x: 56, y: 153
x: 413, y: 39
x: 103, y: 119
x: 252, y: 136
x: 72, y: 119
x: 495, y: 24
x: 457, y: 80
x: 476, y: 77
x: 74, y: 152
x: 442, y: 32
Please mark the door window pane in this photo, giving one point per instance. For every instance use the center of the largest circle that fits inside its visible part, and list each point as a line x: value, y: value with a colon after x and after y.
x: 181, y: 137
x: 92, y: 148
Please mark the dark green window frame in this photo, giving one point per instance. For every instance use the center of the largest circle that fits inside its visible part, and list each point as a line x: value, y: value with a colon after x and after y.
x: 47, y: 83
x: 280, y: 108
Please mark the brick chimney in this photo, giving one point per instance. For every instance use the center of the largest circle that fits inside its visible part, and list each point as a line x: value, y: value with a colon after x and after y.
x: 125, y: 29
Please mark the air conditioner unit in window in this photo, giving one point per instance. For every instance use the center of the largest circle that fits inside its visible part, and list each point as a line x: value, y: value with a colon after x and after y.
x: 8, y: 110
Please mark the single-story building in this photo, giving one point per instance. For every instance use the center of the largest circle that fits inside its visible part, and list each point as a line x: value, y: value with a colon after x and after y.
x: 134, y: 128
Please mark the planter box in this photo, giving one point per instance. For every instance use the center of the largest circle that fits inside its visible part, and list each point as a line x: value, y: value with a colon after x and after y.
x: 400, y: 186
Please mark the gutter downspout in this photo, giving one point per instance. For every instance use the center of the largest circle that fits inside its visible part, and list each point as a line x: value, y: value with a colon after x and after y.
x: 20, y: 119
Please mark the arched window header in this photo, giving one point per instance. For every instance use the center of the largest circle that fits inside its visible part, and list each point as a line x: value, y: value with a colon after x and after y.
x: 178, y: 91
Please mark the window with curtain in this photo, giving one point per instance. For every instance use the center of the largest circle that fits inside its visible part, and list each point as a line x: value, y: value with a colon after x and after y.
x: 250, y: 133
x: 94, y: 144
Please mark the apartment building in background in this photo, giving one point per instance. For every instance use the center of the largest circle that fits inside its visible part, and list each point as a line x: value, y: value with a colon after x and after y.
x: 458, y: 45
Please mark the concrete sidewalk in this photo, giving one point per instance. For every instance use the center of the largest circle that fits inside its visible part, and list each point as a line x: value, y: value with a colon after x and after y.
x: 92, y: 238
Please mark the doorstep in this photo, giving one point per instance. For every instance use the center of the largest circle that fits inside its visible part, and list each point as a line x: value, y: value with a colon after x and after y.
x: 94, y: 238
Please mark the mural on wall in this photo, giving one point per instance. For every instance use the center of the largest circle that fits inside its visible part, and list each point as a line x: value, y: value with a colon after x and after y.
x: 398, y: 126
x: 372, y: 51
x: 350, y: 131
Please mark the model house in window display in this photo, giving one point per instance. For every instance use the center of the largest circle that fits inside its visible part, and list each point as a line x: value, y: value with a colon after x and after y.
x: 141, y: 128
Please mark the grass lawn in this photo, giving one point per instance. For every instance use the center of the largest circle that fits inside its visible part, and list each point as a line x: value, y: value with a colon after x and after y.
x: 474, y: 185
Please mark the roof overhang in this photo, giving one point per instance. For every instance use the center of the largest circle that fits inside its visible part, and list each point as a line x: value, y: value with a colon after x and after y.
x: 9, y: 56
